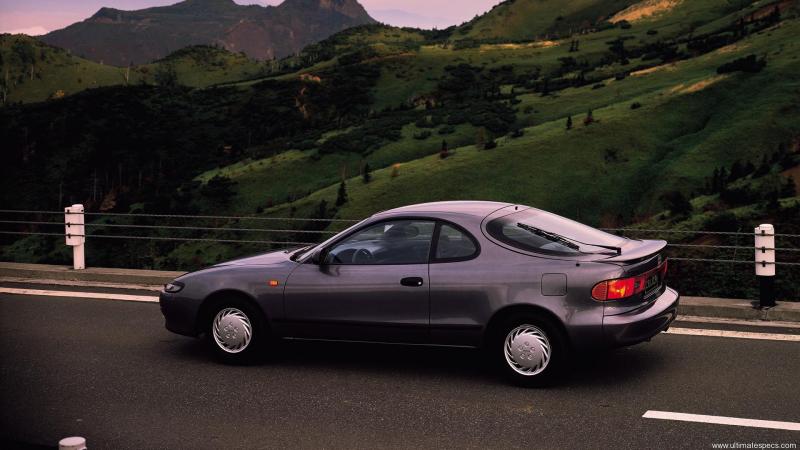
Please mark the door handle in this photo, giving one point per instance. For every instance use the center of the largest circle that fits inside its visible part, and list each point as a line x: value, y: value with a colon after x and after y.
x: 411, y: 281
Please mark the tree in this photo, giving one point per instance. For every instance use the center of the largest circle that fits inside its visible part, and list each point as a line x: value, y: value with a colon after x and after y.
x: 218, y: 189
x: 341, y: 196
x: 366, y: 174
x: 322, y: 210
x: 569, y: 122
x: 166, y: 76
x: 480, y: 138
x: 445, y: 151
x: 775, y: 16
x: 677, y: 204
x: 589, y: 118
x: 789, y: 188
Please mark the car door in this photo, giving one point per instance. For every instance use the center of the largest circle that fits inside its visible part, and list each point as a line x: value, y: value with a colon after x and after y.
x: 461, y: 287
x: 371, y: 286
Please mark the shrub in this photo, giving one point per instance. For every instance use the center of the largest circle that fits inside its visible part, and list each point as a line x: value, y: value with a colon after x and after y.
x: 676, y: 203
x: 424, y: 122
x: 724, y: 221
x: 447, y: 129
x: 636, y: 105
x: 425, y: 134
x: 749, y: 64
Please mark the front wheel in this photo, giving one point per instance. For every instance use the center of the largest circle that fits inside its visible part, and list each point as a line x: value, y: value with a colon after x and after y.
x: 530, y: 351
x: 236, y: 332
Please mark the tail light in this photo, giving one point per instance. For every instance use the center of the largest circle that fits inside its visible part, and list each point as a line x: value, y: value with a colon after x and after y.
x: 626, y: 287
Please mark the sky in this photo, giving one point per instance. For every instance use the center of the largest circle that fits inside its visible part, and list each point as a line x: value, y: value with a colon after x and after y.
x: 36, y: 17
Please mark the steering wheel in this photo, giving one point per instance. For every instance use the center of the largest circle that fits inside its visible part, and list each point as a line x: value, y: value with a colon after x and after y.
x: 362, y: 255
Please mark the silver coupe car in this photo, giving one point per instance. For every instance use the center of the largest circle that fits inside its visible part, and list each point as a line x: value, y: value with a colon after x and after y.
x: 527, y: 286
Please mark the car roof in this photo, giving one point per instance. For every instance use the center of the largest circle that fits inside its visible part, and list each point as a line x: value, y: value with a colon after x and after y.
x: 468, y: 207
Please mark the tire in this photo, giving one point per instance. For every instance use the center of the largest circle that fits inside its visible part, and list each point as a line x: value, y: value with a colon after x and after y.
x: 236, y: 332
x: 530, y: 351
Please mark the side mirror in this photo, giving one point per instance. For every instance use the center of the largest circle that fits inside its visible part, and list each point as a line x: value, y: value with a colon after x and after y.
x: 319, y: 257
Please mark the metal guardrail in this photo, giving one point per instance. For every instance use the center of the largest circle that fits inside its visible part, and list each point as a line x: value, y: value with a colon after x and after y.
x: 292, y: 231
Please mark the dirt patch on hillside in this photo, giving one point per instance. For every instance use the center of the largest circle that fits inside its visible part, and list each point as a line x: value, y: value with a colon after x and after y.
x: 731, y: 48
x: 537, y: 44
x: 643, y: 9
x: 669, y: 67
x: 702, y: 84
x: 698, y: 86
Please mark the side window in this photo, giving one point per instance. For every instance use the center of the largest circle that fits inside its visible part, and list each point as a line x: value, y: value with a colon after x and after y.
x: 454, y: 244
x: 393, y: 242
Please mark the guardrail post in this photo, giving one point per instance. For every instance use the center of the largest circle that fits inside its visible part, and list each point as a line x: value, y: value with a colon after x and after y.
x: 765, y: 264
x: 75, y: 233
x: 72, y: 443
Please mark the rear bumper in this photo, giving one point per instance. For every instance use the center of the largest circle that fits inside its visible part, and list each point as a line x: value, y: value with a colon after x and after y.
x: 643, y: 323
x: 180, y: 314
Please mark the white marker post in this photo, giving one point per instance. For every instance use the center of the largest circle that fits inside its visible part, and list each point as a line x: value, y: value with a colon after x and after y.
x: 75, y: 232
x: 765, y: 264
x: 72, y: 443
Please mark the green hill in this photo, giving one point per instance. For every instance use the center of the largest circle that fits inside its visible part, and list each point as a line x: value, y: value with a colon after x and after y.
x: 517, y: 20
x: 33, y: 71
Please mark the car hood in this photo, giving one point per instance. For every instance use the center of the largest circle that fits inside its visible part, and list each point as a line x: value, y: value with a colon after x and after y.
x: 263, y: 259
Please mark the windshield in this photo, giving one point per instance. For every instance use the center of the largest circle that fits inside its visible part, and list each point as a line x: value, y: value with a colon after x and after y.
x: 517, y: 230
x: 299, y: 254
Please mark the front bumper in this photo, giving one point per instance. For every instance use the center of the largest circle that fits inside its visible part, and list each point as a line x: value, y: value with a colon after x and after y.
x: 180, y: 314
x: 642, y: 323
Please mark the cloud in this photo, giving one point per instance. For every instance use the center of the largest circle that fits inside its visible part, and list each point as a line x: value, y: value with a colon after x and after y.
x: 30, y: 31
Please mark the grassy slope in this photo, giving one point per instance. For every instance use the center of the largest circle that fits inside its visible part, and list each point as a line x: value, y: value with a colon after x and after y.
x: 55, y: 69
x: 297, y: 174
x: 527, y: 19
x: 675, y: 140
x: 203, y: 66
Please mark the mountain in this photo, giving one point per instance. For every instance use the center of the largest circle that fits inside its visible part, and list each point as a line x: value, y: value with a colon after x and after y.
x: 117, y: 37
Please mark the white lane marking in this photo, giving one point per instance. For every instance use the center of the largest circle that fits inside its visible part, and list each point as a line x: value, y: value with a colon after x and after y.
x: 721, y: 420
x: 752, y: 323
x: 734, y: 334
x: 123, y: 297
x: 138, y: 287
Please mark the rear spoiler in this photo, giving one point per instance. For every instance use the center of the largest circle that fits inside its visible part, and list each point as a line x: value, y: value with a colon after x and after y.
x: 636, y: 250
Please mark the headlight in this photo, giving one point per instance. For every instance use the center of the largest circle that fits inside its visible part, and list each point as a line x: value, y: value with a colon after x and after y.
x: 173, y: 287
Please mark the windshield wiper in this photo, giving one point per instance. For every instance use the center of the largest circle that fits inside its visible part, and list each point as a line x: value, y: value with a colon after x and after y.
x: 563, y: 240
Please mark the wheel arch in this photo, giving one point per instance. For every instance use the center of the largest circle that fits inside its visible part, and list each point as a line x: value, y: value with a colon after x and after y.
x: 216, y: 298
x: 503, y: 314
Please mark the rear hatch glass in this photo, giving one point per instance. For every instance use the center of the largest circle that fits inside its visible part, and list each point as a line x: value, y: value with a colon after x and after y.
x: 515, y: 230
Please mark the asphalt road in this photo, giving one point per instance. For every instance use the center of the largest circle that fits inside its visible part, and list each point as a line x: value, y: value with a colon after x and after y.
x: 109, y: 371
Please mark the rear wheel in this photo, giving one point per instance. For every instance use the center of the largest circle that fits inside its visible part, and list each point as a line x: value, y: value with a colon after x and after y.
x: 236, y: 332
x: 529, y: 350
